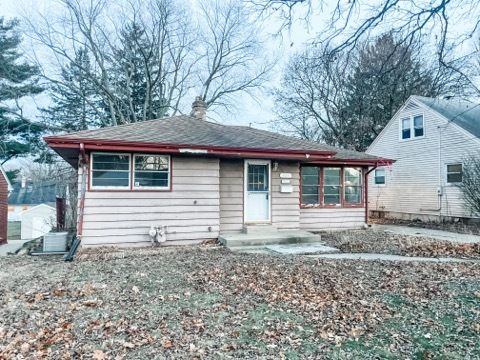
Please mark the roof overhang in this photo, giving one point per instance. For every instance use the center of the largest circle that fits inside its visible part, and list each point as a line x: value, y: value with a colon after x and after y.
x: 70, y: 148
x: 358, y: 162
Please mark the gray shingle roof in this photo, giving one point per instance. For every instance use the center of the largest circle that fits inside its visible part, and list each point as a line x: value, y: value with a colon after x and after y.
x: 463, y: 113
x: 34, y: 193
x: 186, y: 130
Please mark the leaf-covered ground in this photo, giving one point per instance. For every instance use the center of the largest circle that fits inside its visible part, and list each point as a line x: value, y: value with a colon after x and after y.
x: 381, y: 242
x: 209, y: 303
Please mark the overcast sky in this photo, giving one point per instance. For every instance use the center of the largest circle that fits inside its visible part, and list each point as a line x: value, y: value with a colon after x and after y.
x: 256, y: 113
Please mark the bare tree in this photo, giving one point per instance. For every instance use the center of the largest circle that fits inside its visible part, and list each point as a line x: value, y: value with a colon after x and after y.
x: 352, y: 22
x: 346, y: 98
x: 308, y: 102
x: 147, y: 57
x: 232, y: 59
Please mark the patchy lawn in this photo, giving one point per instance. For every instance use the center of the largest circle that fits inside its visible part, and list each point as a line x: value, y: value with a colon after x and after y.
x: 210, y: 303
x: 382, y: 242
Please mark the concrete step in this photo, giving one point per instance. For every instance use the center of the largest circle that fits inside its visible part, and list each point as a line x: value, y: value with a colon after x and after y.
x: 259, y: 229
x: 273, y: 238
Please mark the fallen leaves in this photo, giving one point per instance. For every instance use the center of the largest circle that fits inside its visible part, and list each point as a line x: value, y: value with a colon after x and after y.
x: 203, y: 304
x: 387, y: 243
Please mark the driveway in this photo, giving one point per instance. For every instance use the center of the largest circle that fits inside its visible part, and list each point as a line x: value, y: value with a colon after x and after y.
x: 434, y: 234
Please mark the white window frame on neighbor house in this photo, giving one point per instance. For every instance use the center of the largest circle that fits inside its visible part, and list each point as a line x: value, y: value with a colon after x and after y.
x: 128, y: 187
x: 412, y: 127
x: 446, y: 173
x: 384, y: 177
x: 151, y: 187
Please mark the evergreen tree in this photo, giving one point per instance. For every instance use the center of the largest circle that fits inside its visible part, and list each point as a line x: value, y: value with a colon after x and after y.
x: 136, y: 77
x: 74, y: 99
x: 18, y: 135
x: 384, y: 75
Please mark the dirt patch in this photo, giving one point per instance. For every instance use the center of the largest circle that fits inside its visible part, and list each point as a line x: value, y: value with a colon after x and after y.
x: 198, y: 303
x: 381, y: 242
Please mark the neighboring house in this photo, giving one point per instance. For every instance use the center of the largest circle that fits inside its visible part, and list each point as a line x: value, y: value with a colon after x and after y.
x: 5, y: 188
x: 33, y: 204
x: 200, y: 178
x: 429, y: 140
x: 37, y: 221
x: 28, y: 194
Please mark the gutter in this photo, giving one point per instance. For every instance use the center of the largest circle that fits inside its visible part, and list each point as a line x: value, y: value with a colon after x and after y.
x: 110, y: 145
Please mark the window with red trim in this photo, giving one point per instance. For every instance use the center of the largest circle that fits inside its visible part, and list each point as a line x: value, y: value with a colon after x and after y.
x: 331, y: 186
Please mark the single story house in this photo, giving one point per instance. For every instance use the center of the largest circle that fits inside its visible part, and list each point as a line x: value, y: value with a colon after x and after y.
x: 198, y: 179
x: 429, y: 139
x: 5, y: 188
x: 36, y: 221
x: 27, y: 194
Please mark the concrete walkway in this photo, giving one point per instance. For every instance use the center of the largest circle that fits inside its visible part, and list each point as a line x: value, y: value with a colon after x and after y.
x: 386, y: 257
x: 434, y: 234
x: 11, y: 246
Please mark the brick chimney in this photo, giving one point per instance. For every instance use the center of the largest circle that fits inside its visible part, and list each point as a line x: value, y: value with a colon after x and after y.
x: 199, y: 109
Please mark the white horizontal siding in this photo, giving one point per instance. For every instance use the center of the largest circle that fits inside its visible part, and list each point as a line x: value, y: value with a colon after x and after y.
x: 317, y: 219
x: 412, y: 181
x: 190, y: 211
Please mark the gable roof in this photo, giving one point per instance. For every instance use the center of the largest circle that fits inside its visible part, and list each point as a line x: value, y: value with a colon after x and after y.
x: 183, y: 133
x: 4, y: 174
x: 33, y: 193
x: 462, y: 113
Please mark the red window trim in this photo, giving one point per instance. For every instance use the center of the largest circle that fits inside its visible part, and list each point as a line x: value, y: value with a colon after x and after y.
x: 342, y: 204
x: 131, y: 187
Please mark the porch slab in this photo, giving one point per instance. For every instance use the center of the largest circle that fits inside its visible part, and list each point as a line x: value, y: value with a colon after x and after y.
x: 280, y: 237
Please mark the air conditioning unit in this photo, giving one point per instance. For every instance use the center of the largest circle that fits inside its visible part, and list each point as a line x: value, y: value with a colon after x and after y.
x: 55, y: 242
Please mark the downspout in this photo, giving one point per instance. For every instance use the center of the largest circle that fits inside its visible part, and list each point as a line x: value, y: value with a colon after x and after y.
x: 83, y: 190
x: 366, y: 191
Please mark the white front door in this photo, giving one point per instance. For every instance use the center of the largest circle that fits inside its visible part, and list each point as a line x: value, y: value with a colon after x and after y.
x: 257, y: 191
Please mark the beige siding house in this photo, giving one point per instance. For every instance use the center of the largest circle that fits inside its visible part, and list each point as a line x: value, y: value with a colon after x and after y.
x: 195, y: 180
x: 428, y: 139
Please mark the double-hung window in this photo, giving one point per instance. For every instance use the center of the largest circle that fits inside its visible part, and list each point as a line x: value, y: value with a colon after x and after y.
x: 406, y: 132
x: 412, y: 127
x: 418, y: 130
x: 454, y: 173
x: 151, y: 171
x: 379, y: 176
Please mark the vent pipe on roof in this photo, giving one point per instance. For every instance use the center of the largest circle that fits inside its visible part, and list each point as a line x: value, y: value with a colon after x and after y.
x: 199, y: 109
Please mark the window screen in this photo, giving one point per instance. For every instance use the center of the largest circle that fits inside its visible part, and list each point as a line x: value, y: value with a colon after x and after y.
x: 331, y: 186
x: 418, y: 126
x: 110, y: 170
x: 454, y: 173
x: 379, y: 176
x: 152, y: 171
x: 353, y: 185
x: 406, y: 128
x: 310, y: 185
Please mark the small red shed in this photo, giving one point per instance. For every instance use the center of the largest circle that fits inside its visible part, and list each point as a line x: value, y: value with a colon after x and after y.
x: 5, y: 188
